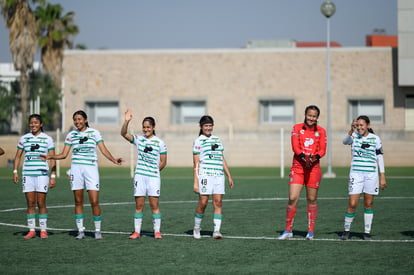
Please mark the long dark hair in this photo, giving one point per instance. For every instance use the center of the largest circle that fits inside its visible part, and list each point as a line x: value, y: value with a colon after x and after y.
x: 83, y: 114
x: 205, y: 120
x: 38, y: 117
x: 151, y: 121
x: 367, y: 121
x: 312, y: 107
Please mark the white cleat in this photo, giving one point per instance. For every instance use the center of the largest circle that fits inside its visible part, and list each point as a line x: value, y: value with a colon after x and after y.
x: 285, y: 235
x: 196, y: 233
x: 81, y: 235
x: 309, y: 236
x: 217, y: 235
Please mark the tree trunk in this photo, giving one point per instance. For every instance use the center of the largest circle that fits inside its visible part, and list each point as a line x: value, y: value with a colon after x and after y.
x: 24, y: 87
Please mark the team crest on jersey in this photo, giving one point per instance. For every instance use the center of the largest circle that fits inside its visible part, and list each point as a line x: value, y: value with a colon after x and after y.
x: 302, y: 131
x: 316, y: 134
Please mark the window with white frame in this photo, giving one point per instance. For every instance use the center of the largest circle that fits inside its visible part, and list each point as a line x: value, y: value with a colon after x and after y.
x: 103, y: 112
x: 277, y: 111
x: 188, y: 112
x: 373, y: 108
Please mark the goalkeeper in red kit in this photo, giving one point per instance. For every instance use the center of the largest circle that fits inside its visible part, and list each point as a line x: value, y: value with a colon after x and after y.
x: 309, y: 146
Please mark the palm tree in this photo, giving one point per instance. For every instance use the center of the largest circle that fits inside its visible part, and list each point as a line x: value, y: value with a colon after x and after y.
x: 22, y: 43
x: 55, y: 32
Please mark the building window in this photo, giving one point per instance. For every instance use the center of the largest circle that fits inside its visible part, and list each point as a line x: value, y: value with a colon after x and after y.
x: 374, y: 109
x: 102, y: 112
x: 277, y: 111
x: 188, y: 112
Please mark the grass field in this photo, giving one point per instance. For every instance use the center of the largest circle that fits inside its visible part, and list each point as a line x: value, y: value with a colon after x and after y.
x: 254, y: 213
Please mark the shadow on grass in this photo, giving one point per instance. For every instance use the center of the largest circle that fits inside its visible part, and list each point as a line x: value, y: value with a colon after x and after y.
x: 408, y: 233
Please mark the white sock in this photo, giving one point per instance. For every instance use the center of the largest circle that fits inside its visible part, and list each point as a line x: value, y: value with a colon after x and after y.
x: 138, y: 221
x: 217, y: 222
x: 368, y: 217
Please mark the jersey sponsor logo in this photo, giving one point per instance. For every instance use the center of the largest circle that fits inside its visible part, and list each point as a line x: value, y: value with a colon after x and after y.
x: 83, y: 140
x: 34, y: 147
x: 309, y: 142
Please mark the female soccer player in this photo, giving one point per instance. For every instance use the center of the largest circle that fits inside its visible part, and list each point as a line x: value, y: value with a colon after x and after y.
x: 152, y: 158
x: 367, y: 156
x: 309, y: 146
x: 84, y: 169
x: 35, y: 175
x: 209, y: 168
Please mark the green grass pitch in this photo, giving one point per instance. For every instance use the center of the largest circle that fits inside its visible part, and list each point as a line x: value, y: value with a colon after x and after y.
x: 254, y: 213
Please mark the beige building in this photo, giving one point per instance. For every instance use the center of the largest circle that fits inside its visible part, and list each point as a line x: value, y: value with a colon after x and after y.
x: 254, y: 95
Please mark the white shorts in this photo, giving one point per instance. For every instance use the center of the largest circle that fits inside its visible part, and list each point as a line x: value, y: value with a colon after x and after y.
x: 146, y: 186
x: 35, y: 184
x: 84, y: 176
x: 362, y: 182
x: 208, y: 185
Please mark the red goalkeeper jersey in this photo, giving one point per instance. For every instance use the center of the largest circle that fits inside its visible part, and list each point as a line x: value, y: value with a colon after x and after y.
x: 307, y: 140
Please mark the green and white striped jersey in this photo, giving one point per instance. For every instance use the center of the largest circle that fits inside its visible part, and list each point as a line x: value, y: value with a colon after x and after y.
x: 34, y: 146
x: 149, y: 152
x: 211, y: 151
x: 84, y: 146
x: 364, y: 152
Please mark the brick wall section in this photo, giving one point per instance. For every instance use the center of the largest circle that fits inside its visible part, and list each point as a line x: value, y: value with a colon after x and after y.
x: 232, y: 82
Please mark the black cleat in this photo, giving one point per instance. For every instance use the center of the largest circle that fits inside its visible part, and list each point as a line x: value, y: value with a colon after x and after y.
x: 366, y: 237
x: 345, y: 235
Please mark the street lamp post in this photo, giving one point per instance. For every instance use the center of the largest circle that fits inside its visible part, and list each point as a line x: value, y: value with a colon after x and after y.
x: 328, y: 10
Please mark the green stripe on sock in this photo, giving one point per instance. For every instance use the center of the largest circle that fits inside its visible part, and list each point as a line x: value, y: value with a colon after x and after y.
x: 349, y: 215
x: 198, y: 215
x: 97, y: 218
x: 156, y: 215
x: 369, y: 211
x: 217, y: 216
x: 42, y: 216
x: 139, y: 215
x: 31, y: 216
x: 79, y: 216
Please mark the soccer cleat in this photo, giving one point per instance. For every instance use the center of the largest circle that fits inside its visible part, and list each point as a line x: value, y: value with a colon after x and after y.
x: 217, y: 235
x: 285, y: 235
x: 309, y: 236
x: 366, y: 237
x: 98, y: 235
x: 157, y: 235
x: 196, y: 233
x: 81, y: 235
x: 30, y: 235
x: 43, y: 235
x: 345, y: 235
x: 135, y: 235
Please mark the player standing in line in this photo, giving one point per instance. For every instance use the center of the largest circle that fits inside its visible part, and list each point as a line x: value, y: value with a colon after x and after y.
x: 309, y: 146
x: 35, y: 175
x: 367, y: 156
x: 209, y: 168
x: 151, y: 159
x: 84, y: 169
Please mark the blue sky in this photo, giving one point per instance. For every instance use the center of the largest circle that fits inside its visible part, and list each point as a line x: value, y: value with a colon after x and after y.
x: 172, y: 24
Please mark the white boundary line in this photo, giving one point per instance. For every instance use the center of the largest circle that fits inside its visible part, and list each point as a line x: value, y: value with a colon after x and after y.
x: 225, y: 237
x: 207, y: 236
